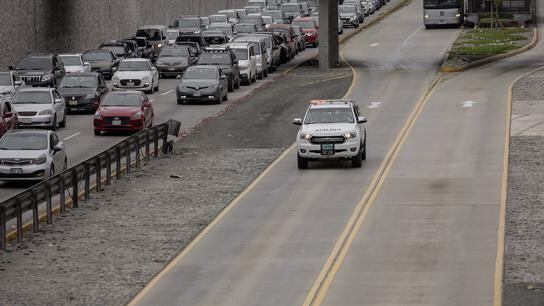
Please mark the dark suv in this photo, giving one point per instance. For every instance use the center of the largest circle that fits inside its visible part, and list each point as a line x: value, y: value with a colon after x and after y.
x: 224, y: 59
x: 44, y: 70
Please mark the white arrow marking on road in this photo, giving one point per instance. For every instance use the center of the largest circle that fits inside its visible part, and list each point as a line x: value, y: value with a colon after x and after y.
x: 168, y: 92
x: 72, y: 136
x: 468, y: 103
x: 374, y: 44
x: 374, y: 105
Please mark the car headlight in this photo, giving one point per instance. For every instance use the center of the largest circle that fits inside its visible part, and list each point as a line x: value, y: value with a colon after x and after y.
x: 46, y: 112
x: 350, y: 135
x: 47, y: 77
x: 138, y: 115
x: 426, y: 16
x: 40, y: 160
x: 457, y: 15
x: 159, y: 45
x: 90, y: 96
x: 305, y: 136
x: 97, y: 115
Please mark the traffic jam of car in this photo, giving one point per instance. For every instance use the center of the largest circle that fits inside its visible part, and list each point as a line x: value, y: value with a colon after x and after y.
x: 210, y: 56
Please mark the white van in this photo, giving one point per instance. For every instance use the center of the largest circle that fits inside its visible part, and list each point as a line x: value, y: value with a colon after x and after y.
x: 245, y: 54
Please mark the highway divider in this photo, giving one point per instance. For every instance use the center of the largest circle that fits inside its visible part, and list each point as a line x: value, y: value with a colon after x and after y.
x: 66, y: 187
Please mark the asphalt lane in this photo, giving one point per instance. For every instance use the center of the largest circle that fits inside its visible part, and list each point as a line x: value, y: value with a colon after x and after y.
x: 269, y: 247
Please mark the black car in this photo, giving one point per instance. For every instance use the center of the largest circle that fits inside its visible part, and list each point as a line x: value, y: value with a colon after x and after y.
x: 173, y: 61
x: 119, y: 48
x: 83, y: 91
x: 133, y: 46
x: 198, y: 38
x: 145, y: 49
x: 44, y: 70
x: 202, y: 84
x: 194, y: 47
x: 188, y: 24
x: 224, y: 59
x: 102, y: 61
x: 215, y: 38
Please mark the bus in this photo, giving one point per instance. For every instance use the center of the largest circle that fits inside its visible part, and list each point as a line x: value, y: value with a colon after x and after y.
x: 442, y: 13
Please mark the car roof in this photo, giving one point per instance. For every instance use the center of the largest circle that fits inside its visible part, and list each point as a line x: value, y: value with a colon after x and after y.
x: 95, y: 74
x: 235, y: 45
x: 40, y: 89
x: 152, y: 27
x: 124, y: 92
x: 135, y: 60
x: 333, y: 103
x: 70, y: 54
x: 203, y: 67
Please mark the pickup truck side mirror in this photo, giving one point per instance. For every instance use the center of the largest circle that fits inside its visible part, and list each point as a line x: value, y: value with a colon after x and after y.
x: 361, y: 119
x: 58, y: 100
x: 17, y: 83
x: 57, y: 148
x: 297, y: 121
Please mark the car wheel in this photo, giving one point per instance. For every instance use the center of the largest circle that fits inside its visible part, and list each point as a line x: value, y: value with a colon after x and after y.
x: 96, y: 132
x: 231, y: 86
x: 357, y: 160
x: 52, y: 170
x: 226, y: 97
x: 157, y: 87
x: 260, y: 76
x: 65, y: 166
x: 54, y: 124
x: 363, y: 147
x: 218, y: 100
x: 254, y: 79
x: 63, y: 122
x: 237, y: 85
x: 265, y: 73
x: 302, y: 162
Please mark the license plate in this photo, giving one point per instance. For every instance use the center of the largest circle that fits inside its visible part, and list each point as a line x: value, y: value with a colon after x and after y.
x: 171, y: 69
x: 26, y: 120
x: 327, y: 149
x: 130, y: 84
x: 116, y: 122
x: 16, y: 171
x: 197, y: 94
x: 72, y: 103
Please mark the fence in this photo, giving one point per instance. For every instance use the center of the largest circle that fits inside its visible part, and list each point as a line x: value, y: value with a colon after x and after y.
x: 65, y: 187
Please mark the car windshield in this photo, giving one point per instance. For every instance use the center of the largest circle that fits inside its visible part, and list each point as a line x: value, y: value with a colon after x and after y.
x: 189, y: 23
x: 251, y: 19
x: 134, y: 66
x: 150, y: 34
x: 32, y: 97
x: 242, y: 12
x: 229, y: 14
x: 121, y: 100
x: 216, y: 40
x: 24, y: 141
x: 329, y: 115
x: 293, y: 8
x: 218, y: 18
x: 214, y: 59
x: 227, y: 30
x: 244, y: 28
x: 268, y: 20
x: 97, y: 57
x: 241, y: 54
x: 174, y: 52
x: 274, y: 14
x: 34, y: 63
x: 118, y: 50
x: 71, y: 60
x: 172, y: 35
x: 79, y: 82
x: 253, y: 10
x: 256, y: 45
x: 256, y: 3
x: 346, y: 9
x: 5, y: 79
x: 189, y: 45
x: 304, y: 24
x: 200, y: 73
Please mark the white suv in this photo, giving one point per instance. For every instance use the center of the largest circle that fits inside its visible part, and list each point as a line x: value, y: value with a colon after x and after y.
x: 331, y: 129
x: 247, y: 60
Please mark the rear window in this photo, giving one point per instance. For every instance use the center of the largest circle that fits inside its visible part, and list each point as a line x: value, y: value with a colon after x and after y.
x: 70, y: 60
x: 241, y: 54
x: 150, y: 34
x: 121, y: 100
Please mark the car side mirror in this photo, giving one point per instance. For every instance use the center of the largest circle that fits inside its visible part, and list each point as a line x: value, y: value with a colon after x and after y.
x: 224, y: 77
x: 153, y: 68
x: 8, y: 115
x: 236, y: 62
x: 11, y: 68
x: 57, y: 148
x: 362, y: 120
x: 58, y: 100
x: 114, y: 69
x: 17, y: 83
x: 297, y: 121
x: 86, y: 64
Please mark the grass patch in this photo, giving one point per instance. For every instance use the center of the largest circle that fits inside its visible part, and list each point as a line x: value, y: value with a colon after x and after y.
x: 483, y: 50
x: 488, y: 42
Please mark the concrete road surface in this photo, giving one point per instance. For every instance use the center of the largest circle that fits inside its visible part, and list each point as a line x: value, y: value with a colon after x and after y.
x: 270, y: 246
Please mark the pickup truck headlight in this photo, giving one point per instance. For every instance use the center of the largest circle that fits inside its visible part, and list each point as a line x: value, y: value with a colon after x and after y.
x: 138, y: 115
x: 47, y: 77
x: 350, y: 135
x: 40, y: 160
x: 46, y: 112
x: 305, y: 136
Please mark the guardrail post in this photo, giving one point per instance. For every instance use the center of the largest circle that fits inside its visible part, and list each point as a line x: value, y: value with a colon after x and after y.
x: 62, y: 194
x: 48, y: 206
x: 3, y: 222
x: 147, y: 140
x: 108, y: 168
x: 98, y: 174
x: 118, y: 162
x: 87, y: 174
x: 127, y: 166
x: 19, y: 213
x: 156, y: 140
x: 138, y: 151
x: 75, y: 189
x: 35, y: 212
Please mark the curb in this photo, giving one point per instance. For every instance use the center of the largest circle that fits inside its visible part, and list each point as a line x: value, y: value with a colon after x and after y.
x: 494, y: 58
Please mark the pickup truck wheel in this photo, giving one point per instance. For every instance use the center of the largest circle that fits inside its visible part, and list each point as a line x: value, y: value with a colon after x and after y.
x: 302, y: 162
x: 363, y: 148
x: 357, y: 160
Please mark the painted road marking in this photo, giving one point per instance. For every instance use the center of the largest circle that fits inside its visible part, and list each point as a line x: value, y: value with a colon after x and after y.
x: 411, y: 35
x: 374, y: 105
x: 317, y: 293
x: 374, y: 45
x: 468, y: 103
x: 72, y: 136
x: 168, y: 92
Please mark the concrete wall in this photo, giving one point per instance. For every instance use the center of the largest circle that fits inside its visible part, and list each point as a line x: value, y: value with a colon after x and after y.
x: 77, y: 25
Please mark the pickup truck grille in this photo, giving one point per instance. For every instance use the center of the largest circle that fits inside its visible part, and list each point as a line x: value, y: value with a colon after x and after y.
x: 32, y: 79
x: 327, y: 139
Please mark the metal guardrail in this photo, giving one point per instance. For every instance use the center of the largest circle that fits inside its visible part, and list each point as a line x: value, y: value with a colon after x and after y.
x: 111, y: 162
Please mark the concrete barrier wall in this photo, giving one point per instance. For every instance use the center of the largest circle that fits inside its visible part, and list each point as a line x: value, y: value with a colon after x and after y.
x: 77, y: 25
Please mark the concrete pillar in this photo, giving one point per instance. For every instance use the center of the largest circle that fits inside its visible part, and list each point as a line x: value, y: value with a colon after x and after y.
x: 328, y: 34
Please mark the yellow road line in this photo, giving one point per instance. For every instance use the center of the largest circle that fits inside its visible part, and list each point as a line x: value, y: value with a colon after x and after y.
x: 318, y: 291
x: 499, y: 261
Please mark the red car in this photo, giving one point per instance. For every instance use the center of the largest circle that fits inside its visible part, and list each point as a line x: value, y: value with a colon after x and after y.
x: 310, y: 29
x: 8, y: 118
x: 127, y: 111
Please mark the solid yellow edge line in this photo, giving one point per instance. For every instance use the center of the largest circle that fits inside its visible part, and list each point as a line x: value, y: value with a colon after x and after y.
x: 318, y: 291
x: 208, y: 228
x: 499, y: 261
